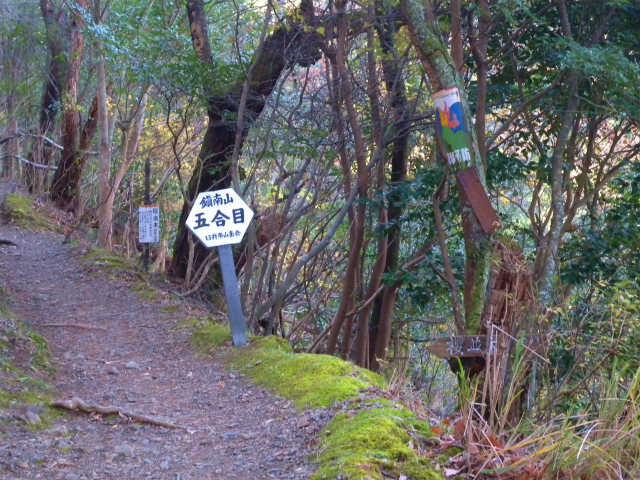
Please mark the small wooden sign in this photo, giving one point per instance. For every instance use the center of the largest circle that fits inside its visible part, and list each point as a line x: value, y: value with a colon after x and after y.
x: 470, y: 181
x: 460, y: 346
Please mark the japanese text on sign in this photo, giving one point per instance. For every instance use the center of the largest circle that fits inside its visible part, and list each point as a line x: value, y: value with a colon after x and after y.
x: 219, y: 218
x: 451, y: 127
x: 149, y: 224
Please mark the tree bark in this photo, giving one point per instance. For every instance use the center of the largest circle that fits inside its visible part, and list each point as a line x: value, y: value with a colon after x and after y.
x: 552, y: 242
x: 377, y: 138
x: 40, y: 150
x: 12, y: 147
x: 356, y: 242
x: 128, y: 148
x: 104, y: 161
x: 479, y: 46
x: 66, y: 181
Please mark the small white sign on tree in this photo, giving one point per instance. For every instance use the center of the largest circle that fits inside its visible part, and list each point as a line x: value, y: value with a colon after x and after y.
x: 149, y: 224
x: 219, y: 218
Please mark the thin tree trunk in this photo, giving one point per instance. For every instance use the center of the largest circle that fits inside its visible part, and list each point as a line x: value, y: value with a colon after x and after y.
x: 377, y: 137
x: 12, y: 148
x: 382, y: 318
x: 456, y: 34
x: 128, y: 150
x: 105, y: 189
x: 552, y: 241
x: 479, y: 48
x: 349, y: 282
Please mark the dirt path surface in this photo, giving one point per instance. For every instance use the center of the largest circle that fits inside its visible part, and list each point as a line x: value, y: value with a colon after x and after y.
x: 128, y: 355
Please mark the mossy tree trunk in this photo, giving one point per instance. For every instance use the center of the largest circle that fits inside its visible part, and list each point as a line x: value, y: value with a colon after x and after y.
x: 440, y: 68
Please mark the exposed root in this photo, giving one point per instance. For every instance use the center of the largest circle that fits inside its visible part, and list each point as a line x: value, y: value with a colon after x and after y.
x: 78, y: 404
x: 74, y: 325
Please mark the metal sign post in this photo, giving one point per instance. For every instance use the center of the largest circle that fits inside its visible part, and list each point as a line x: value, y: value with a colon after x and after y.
x: 231, y: 292
x: 220, y: 219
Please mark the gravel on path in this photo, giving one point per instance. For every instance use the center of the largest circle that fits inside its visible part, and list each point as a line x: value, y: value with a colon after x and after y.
x: 135, y: 360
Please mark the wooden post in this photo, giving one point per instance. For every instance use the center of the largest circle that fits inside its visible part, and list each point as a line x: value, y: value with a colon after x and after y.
x: 147, y: 201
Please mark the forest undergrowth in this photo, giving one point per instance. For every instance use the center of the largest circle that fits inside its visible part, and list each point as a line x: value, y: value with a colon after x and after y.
x: 385, y: 426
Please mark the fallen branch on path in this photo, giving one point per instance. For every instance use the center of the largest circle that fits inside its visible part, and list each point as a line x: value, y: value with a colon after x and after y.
x: 74, y: 325
x: 78, y: 404
x: 8, y: 242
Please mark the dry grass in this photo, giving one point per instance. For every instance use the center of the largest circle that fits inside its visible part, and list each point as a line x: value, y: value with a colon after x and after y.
x: 599, y: 440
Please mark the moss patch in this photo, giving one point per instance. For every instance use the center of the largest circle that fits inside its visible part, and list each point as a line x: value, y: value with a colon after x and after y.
x: 310, y: 381
x: 103, y: 258
x: 374, y: 437
x: 370, y: 441
x: 21, y: 210
x: 112, y: 264
x: 210, y: 335
x: 24, y: 365
x: 171, y: 308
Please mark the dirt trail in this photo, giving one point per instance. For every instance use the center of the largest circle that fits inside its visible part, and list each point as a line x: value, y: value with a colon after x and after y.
x: 134, y: 360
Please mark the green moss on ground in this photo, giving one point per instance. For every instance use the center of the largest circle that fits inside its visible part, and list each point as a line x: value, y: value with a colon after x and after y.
x: 366, y: 442
x: 207, y: 335
x: 112, y: 264
x: 104, y: 258
x: 354, y: 445
x: 21, y: 210
x: 310, y: 381
x: 25, y: 363
x: 150, y: 295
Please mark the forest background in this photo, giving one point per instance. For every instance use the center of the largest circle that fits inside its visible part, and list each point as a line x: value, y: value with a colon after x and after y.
x: 365, y: 244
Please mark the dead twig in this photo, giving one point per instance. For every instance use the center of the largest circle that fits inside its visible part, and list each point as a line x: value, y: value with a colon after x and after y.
x: 78, y: 404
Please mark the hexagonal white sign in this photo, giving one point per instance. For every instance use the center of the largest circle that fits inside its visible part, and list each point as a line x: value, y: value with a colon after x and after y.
x: 219, y: 218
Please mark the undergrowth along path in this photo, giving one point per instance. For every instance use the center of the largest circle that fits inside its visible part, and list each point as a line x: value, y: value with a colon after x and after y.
x: 112, y: 345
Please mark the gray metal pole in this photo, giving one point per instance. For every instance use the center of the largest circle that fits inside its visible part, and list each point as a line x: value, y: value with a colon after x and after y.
x: 236, y: 318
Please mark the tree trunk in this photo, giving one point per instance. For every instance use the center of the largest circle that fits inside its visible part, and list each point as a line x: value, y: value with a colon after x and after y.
x: 552, y: 241
x: 479, y: 48
x: 288, y: 44
x: 104, y: 164
x: 12, y: 148
x: 347, y: 298
x: 66, y: 181
x: 377, y: 138
x: 394, y: 81
x: 439, y: 68
x: 41, y: 151
x: 128, y: 150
